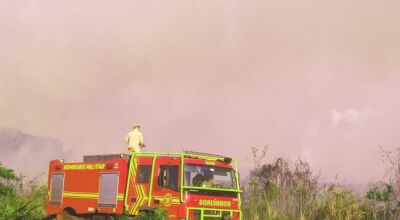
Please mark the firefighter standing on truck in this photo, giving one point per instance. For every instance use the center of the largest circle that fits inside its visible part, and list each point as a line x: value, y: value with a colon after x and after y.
x: 135, y: 140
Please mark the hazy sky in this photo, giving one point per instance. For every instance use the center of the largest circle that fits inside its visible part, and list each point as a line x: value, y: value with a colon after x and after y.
x: 313, y: 79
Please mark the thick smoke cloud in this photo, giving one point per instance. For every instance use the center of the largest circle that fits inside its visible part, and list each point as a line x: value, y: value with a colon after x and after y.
x: 315, y: 79
x: 28, y: 154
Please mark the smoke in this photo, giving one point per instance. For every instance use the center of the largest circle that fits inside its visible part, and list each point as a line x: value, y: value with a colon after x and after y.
x: 314, y: 78
x: 349, y: 115
x: 28, y: 154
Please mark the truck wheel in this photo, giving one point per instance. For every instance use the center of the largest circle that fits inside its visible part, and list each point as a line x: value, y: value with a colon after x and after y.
x: 67, y: 215
x: 52, y: 217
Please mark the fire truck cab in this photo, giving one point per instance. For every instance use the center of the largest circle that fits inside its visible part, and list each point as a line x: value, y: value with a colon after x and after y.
x: 189, y: 185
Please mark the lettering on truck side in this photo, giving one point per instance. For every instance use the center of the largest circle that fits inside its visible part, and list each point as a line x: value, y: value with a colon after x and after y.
x: 96, y: 166
x: 204, y: 202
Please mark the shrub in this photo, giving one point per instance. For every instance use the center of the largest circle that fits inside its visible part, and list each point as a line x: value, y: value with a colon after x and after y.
x: 14, y: 205
x: 158, y: 214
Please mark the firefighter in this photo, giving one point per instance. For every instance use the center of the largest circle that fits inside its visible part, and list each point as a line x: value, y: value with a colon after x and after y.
x: 209, y: 180
x: 198, y: 180
x: 134, y: 139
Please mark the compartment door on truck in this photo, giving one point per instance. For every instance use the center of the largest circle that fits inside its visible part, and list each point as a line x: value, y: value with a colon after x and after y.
x: 108, y: 189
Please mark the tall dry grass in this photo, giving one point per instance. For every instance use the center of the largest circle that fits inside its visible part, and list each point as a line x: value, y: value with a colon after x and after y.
x: 280, y: 190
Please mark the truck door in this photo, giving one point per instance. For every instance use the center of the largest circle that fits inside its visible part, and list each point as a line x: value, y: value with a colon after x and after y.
x: 138, y: 190
x: 166, y: 187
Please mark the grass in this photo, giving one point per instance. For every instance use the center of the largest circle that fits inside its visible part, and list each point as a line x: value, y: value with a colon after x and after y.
x: 279, y: 191
x: 333, y: 202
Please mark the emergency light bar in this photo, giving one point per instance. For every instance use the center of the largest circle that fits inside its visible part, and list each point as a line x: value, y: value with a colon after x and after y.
x: 219, y: 157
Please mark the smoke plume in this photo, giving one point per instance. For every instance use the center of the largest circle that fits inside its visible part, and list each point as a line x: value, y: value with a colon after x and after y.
x: 28, y: 154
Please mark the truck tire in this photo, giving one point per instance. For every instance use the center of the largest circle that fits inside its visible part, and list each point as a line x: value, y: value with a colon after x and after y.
x: 69, y: 214
x: 52, y: 217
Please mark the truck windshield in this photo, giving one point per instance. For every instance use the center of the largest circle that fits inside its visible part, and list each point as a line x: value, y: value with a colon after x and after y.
x: 209, y: 176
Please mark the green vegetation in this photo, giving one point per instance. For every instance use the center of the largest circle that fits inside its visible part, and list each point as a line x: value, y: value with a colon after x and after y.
x: 14, y: 204
x: 158, y: 214
x: 278, y: 191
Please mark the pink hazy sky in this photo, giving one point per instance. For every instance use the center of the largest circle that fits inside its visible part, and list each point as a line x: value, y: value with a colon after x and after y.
x: 313, y: 79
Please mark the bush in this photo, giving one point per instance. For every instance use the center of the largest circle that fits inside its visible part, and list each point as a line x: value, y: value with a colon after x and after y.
x: 158, y: 214
x: 338, y: 203
x: 14, y: 205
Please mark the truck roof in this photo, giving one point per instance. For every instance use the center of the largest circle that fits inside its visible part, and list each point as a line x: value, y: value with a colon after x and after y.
x: 186, y: 154
x: 104, y: 157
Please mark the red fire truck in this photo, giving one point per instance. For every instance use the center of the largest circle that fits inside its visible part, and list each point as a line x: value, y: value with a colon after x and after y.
x: 189, y: 185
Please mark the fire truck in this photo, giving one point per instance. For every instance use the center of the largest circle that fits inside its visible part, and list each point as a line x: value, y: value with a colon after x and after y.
x: 189, y: 185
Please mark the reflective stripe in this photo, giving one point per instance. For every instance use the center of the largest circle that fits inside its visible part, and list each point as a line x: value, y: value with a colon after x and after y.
x: 141, y: 198
x: 86, y: 195
x: 140, y: 191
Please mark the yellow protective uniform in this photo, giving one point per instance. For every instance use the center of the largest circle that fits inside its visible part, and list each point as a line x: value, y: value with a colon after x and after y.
x: 134, y: 139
